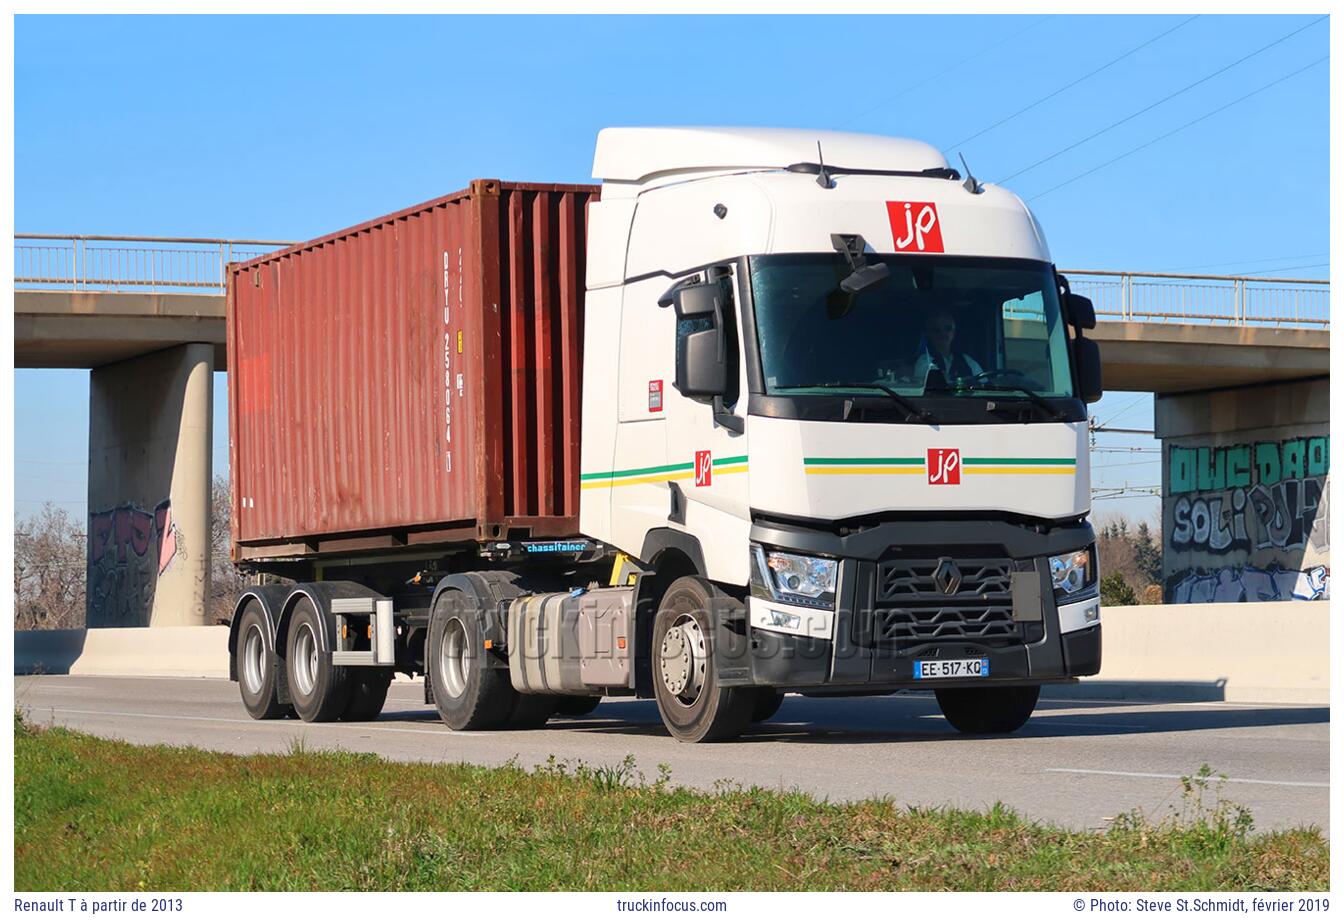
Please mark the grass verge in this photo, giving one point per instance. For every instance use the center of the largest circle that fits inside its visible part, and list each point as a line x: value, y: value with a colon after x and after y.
x: 93, y: 814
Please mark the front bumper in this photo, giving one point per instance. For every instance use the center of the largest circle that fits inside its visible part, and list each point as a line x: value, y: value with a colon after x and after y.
x: 888, y: 614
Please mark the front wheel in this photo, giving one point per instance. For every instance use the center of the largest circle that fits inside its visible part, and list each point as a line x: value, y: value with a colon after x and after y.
x: 692, y: 704
x: 988, y: 710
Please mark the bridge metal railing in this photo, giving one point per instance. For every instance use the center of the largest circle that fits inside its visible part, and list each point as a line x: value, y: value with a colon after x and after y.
x: 1237, y: 300
x: 185, y: 264
x: 154, y: 264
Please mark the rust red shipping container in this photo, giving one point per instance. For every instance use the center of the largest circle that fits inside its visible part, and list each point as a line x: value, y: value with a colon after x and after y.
x: 412, y: 380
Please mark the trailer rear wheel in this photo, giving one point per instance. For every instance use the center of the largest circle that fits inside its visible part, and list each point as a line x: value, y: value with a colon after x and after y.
x: 468, y: 692
x: 693, y: 705
x: 257, y: 665
x: 988, y: 710
x: 320, y: 690
x: 368, y: 693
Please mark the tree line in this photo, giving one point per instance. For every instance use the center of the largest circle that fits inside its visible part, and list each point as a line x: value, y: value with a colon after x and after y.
x: 1130, y: 557
x: 51, y: 566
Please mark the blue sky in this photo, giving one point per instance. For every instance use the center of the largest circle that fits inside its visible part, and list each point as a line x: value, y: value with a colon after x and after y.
x: 280, y: 127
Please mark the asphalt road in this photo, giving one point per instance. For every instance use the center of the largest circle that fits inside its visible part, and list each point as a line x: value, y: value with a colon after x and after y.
x: 1076, y: 763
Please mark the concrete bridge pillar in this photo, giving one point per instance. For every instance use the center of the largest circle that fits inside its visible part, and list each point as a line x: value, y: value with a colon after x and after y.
x: 1246, y: 492
x: 149, y: 489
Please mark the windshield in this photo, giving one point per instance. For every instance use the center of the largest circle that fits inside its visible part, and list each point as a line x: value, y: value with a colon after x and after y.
x: 939, y: 325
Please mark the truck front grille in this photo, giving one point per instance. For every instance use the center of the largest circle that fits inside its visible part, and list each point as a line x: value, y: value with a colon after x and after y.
x: 922, y: 601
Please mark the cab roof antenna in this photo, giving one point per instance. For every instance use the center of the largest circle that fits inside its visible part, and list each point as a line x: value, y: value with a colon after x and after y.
x: 970, y: 185
x: 823, y: 178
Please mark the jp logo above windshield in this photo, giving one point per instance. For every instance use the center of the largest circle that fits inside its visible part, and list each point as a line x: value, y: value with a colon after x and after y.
x: 914, y: 226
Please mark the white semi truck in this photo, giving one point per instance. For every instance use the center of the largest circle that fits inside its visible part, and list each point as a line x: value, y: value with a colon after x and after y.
x: 833, y: 442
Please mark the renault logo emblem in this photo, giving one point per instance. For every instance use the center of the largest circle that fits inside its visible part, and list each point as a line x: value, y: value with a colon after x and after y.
x: 947, y: 577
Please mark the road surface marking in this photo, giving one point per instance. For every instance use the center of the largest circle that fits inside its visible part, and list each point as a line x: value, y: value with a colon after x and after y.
x: 1230, y: 779
x: 275, y: 723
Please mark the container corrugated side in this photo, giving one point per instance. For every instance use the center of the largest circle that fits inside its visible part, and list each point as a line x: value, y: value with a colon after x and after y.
x: 414, y: 379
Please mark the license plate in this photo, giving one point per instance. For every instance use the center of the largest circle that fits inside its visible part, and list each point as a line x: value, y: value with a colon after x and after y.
x: 933, y: 668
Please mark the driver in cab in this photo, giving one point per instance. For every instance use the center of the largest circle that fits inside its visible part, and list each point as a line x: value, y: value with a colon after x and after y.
x: 938, y: 353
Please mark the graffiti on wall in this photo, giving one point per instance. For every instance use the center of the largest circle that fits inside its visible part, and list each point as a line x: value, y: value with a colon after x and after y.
x: 129, y: 549
x: 1248, y: 521
x: 1249, y: 583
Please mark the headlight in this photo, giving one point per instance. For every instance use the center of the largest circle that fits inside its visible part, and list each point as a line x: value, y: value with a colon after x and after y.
x: 792, y: 579
x: 1073, y: 572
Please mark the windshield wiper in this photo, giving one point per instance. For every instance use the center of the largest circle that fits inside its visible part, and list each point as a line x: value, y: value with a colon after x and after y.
x: 912, y: 410
x: 1035, y: 397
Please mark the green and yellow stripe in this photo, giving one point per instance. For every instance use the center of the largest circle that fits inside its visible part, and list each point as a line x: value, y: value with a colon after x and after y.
x: 862, y: 466
x: 1017, y: 466
x: 1001, y: 466
x: 667, y: 473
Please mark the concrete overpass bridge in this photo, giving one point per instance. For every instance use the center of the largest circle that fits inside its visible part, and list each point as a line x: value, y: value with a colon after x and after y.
x: 1237, y: 363
x: 87, y: 301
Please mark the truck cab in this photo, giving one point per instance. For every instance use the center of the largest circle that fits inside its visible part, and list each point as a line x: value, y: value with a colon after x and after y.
x: 768, y: 411
x: 847, y: 384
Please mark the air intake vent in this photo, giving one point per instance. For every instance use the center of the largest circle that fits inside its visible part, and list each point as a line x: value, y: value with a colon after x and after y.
x: 988, y: 625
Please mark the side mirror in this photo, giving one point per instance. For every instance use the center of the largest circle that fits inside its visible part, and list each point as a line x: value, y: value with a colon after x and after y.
x: 1079, y: 310
x: 702, y: 344
x: 1087, y: 358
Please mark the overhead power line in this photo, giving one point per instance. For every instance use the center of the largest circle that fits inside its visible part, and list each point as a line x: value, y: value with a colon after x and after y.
x: 1191, y: 123
x: 1068, y: 86
x: 1186, y: 268
x: 1127, y: 491
x: 1119, y: 412
x: 1287, y: 268
x: 1128, y: 463
x: 1163, y: 100
x: 942, y: 73
x: 1097, y: 429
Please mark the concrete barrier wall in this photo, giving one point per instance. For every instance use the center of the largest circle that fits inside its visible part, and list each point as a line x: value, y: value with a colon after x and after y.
x: 1268, y: 652
x: 1261, y: 653
x: 160, y: 651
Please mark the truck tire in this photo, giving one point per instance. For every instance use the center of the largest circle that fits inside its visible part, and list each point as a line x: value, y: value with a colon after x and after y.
x: 766, y: 705
x: 368, y: 692
x: 575, y: 707
x: 693, y: 705
x: 988, y: 710
x: 320, y: 690
x: 257, y: 665
x: 468, y: 693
